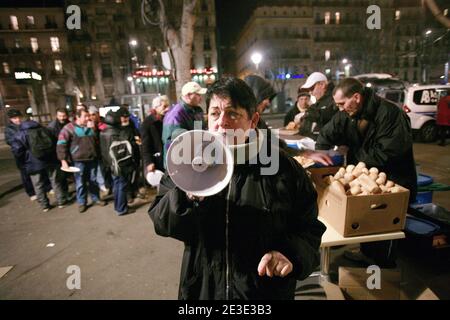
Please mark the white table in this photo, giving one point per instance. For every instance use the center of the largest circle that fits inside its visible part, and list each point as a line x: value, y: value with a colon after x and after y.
x: 332, y: 238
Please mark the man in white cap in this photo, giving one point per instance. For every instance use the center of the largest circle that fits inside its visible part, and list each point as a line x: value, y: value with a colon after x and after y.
x: 181, y: 117
x: 321, y: 112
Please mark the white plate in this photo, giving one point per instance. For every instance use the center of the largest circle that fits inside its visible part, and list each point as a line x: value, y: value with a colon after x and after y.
x: 71, y: 169
x: 153, y: 178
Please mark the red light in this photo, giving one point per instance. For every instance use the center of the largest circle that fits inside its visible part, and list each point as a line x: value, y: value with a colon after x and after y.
x: 406, y: 109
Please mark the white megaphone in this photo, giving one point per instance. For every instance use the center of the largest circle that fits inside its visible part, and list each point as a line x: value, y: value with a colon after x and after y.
x: 200, y: 163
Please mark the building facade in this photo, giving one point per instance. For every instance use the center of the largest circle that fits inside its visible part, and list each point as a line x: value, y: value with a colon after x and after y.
x: 332, y: 37
x: 35, y: 40
x: 114, y: 57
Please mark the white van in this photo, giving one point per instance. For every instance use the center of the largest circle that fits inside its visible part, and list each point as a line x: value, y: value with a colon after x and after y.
x: 420, y: 103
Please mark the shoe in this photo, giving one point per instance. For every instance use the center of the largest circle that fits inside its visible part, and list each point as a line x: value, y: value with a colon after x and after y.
x: 61, y: 205
x: 82, y: 208
x: 358, y: 256
x: 33, y: 198
x: 46, y: 209
x: 129, y: 210
x: 130, y: 201
x: 100, y: 203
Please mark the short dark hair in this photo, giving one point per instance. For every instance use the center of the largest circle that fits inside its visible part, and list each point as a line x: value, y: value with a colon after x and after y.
x: 240, y: 94
x: 62, y: 110
x: 349, y: 86
x: 79, y: 112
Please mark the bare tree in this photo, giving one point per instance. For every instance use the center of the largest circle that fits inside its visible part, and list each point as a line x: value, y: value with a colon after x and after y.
x: 178, y: 40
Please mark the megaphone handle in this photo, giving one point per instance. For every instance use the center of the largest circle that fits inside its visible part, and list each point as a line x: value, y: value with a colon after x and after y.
x: 193, y: 198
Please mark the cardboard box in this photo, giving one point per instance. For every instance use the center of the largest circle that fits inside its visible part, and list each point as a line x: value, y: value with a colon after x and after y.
x: 359, y: 215
x: 353, y: 283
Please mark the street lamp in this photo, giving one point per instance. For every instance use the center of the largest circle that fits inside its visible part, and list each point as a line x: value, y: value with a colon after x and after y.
x: 428, y: 32
x: 133, y: 43
x: 345, y: 61
x: 256, y: 59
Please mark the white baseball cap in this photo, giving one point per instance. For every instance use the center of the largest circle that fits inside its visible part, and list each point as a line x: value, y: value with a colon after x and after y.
x: 192, y: 87
x: 313, y: 79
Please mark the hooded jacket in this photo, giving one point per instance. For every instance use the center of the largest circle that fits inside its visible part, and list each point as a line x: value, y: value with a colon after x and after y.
x: 10, y: 131
x: 387, y: 143
x: 21, y: 150
x: 227, y: 234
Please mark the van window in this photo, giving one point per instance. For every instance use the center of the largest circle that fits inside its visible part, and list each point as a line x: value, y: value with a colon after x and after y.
x: 429, y: 96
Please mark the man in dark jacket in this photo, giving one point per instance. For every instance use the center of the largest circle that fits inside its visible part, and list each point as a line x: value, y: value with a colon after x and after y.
x: 131, y: 133
x: 15, y: 119
x: 62, y: 118
x: 256, y: 237
x: 39, y: 167
x: 151, y: 133
x: 298, y: 111
x: 377, y: 133
x: 321, y: 112
x: 264, y: 94
x: 121, y: 180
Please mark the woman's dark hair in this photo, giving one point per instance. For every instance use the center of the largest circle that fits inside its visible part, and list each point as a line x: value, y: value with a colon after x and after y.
x: 240, y: 94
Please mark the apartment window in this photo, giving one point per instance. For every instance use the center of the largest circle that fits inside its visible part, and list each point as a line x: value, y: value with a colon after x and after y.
x: 54, y: 43
x: 207, y: 62
x: 30, y: 21
x: 206, y: 43
x: 6, y: 69
x: 58, y: 66
x: 206, y: 22
x: 327, y: 55
x: 104, y: 50
x: 17, y: 43
x: 50, y: 22
x: 397, y: 14
x: 34, y: 44
x: 14, y: 23
x: 338, y: 17
x: 38, y: 64
x: 106, y: 70
x: 327, y: 17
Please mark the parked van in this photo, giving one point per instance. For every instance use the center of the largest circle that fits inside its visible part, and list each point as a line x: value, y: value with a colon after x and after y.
x: 421, y: 106
x: 418, y: 101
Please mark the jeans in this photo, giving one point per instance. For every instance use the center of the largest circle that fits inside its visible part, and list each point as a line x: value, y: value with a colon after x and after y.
x: 100, y: 176
x: 120, y: 187
x: 86, y: 180
x: 39, y: 180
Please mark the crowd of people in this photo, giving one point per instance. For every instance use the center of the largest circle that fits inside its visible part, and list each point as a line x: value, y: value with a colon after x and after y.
x: 83, y: 147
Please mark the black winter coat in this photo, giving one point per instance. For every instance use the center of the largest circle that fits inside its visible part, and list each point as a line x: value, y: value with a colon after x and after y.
x: 318, y: 115
x: 151, y: 133
x: 227, y: 234
x: 386, y: 145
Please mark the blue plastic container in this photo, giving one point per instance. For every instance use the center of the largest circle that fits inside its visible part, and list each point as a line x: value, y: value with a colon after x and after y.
x: 425, y: 196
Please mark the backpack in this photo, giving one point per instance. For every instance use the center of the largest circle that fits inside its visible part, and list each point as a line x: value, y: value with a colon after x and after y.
x: 41, y: 142
x: 121, y: 153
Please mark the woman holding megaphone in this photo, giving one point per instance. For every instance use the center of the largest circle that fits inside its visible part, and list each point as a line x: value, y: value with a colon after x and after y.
x: 256, y: 234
